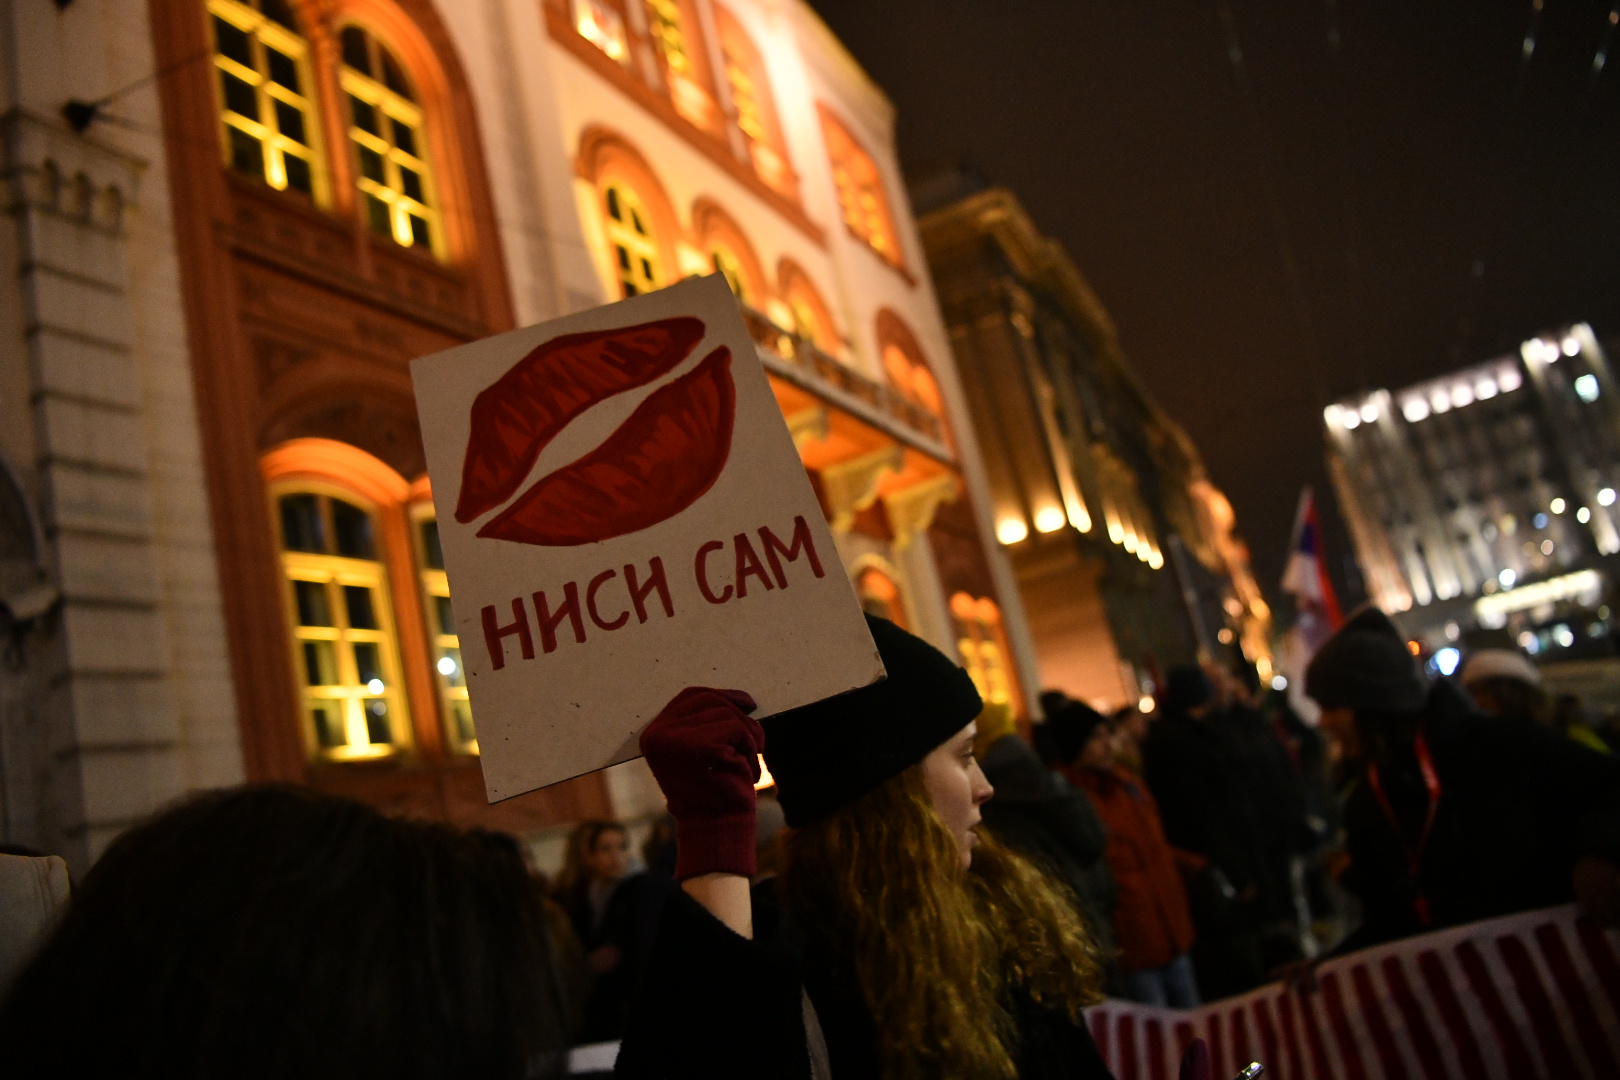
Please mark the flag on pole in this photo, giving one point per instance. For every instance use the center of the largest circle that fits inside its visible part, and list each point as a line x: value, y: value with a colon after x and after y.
x: 1306, y: 576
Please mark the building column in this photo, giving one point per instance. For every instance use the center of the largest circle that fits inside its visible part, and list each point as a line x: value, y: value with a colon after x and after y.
x: 101, y: 744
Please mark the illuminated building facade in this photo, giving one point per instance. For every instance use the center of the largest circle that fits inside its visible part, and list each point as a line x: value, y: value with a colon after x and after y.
x: 1486, y: 499
x: 219, y: 554
x: 1126, y: 555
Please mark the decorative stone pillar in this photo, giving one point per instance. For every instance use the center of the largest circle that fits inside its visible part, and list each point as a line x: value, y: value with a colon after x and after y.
x: 102, y: 749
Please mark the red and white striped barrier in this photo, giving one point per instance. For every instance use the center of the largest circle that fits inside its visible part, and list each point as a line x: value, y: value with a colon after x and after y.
x: 1535, y: 995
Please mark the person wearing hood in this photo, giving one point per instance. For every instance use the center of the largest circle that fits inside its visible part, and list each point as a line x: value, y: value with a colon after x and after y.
x: 1209, y: 817
x: 896, y: 941
x: 1453, y: 815
x: 1504, y: 682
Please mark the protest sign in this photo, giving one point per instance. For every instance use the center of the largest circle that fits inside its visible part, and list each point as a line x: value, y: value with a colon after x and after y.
x: 623, y: 514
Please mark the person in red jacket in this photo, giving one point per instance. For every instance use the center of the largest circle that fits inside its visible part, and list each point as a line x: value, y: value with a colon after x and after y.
x: 1151, y: 918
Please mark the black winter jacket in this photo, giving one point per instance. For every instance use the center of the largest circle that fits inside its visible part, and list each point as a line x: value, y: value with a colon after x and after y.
x: 1519, y: 804
x: 715, y: 1006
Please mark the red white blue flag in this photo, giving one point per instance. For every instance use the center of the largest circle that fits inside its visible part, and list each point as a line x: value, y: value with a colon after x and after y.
x: 1306, y: 575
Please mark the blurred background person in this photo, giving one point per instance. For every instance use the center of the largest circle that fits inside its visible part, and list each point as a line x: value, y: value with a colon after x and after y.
x: 614, y: 908
x: 1209, y: 818
x: 1130, y: 731
x: 1454, y: 815
x: 1152, y: 921
x: 1037, y: 813
x: 277, y: 932
x: 1503, y: 682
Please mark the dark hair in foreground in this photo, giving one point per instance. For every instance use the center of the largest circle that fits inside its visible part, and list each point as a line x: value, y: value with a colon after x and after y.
x: 277, y: 932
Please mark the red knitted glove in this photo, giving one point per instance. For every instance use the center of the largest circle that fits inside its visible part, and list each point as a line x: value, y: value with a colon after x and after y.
x: 704, y: 749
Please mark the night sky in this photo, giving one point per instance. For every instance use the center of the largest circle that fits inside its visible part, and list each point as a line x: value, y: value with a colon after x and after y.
x: 1314, y: 221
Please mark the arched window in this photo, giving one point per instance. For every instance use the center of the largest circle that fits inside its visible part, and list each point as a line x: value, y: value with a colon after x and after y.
x: 386, y: 128
x: 861, y: 194
x: 812, y: 321
x: 444, y: 643
x: 723, y: 242
x: 677, y: 36
x: 268, y: 124
x: 345, y: 649
x: 601, y: 22
x: 752, y: 104
x: 982, y: 641
x: 629, y: 233
x: 880, y: 595
x: 909, y: 372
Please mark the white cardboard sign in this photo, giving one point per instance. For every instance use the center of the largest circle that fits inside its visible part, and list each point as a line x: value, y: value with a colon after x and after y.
x: 623, y: 514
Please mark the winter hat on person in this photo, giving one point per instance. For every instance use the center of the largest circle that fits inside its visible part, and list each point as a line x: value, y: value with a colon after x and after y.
x: 1187, y: 686
x: 1500, y: 664
x: 1366, y: 666
x: 1070, y: 728
x: 827, y: 754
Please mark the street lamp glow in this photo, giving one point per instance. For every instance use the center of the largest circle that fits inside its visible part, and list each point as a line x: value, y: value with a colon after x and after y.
x: 1572, y: 346
x: 1445, y: 661
x: 1485, y: 389
x: 1279, y: 682
x: 1415, y: 409
x: 1441, y: 401
x: 1146, y: 704
x: 1369, y: 412
x: 1462, y: 394
x: 1350, y: 420
x: 1509, y: 381
x: 375, y: 686
x: 1557, y: 506
x: 1011, y: 530
x: 1586, y: 388
x: 1507, y: 578
x: 1583, y: 515
x: 447, y: 666
x: 1049, y: 519
x: 1606, y: 497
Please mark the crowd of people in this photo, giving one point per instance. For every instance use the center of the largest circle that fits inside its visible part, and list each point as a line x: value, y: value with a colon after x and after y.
x: 931, y: 889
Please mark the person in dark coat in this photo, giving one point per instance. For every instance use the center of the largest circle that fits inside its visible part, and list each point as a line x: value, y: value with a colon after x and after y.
x: 1454, y: 815
x: 1209, y: 817
x: 897, y: 941
x: 1152, y: 919
x: 1040, y: 815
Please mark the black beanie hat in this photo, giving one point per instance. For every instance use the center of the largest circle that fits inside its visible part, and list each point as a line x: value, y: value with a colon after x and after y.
x: 1070, y: 728
x: 829, y: 753
x: 1187, y: 686
x: 1367, y: 667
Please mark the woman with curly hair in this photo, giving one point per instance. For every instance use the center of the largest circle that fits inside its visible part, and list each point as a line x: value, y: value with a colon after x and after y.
x: 898, y: 942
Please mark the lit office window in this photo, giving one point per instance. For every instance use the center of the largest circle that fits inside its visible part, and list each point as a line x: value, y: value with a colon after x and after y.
x: 983, y: 645
x: 860, y: 189
x: 268, y: 124
x: 390, y: 144
x: 635, y: 252
x: 445, y: 644
x: 727, y: 264
x: 343, y: 637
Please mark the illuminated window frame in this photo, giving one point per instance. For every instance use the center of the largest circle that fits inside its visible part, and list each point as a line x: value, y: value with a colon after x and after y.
x: 333, y: 573
x: 982, y: 641
x: 602, y: 24
x: 388, y: 206
x: 727, y: 264
x: 862, y: 196
x: 753, y: 105
x: 276, y: 103
x: 444, y: 644
x: 877, y: 586
x: 632, y: 245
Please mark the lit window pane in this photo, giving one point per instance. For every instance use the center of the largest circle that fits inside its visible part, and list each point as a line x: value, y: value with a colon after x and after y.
x: 320, y: 663
x: 313, y: 609
x: 355, y: 53
x: 233, y: 42
x: 378, y: 216
x: 367, y: 663
x: 299, y: 177
x: 352, y: 527
x: 328, y: 719
x: 277, y: 11
x: 420, y: 236
x: 447, y: 618
x: 404, y: 137
x: 365, y: 116
x: 290, y: 122
x: 377, y: 722
x: 302, y: 528
x: 432, y: 550
x: 450, y: 667
x: 240, y: 97
x: 283, y: 69
x: 462, y: 722
x: 410, y: 182
x: 393, y: 77
x: 362, y: 613
x: 371, y: 165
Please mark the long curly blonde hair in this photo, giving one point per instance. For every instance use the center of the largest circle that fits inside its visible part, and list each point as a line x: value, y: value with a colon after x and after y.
x: 937, y: 951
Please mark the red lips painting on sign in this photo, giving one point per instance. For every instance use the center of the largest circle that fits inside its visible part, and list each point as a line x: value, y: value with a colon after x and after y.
x: 623, y: 513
